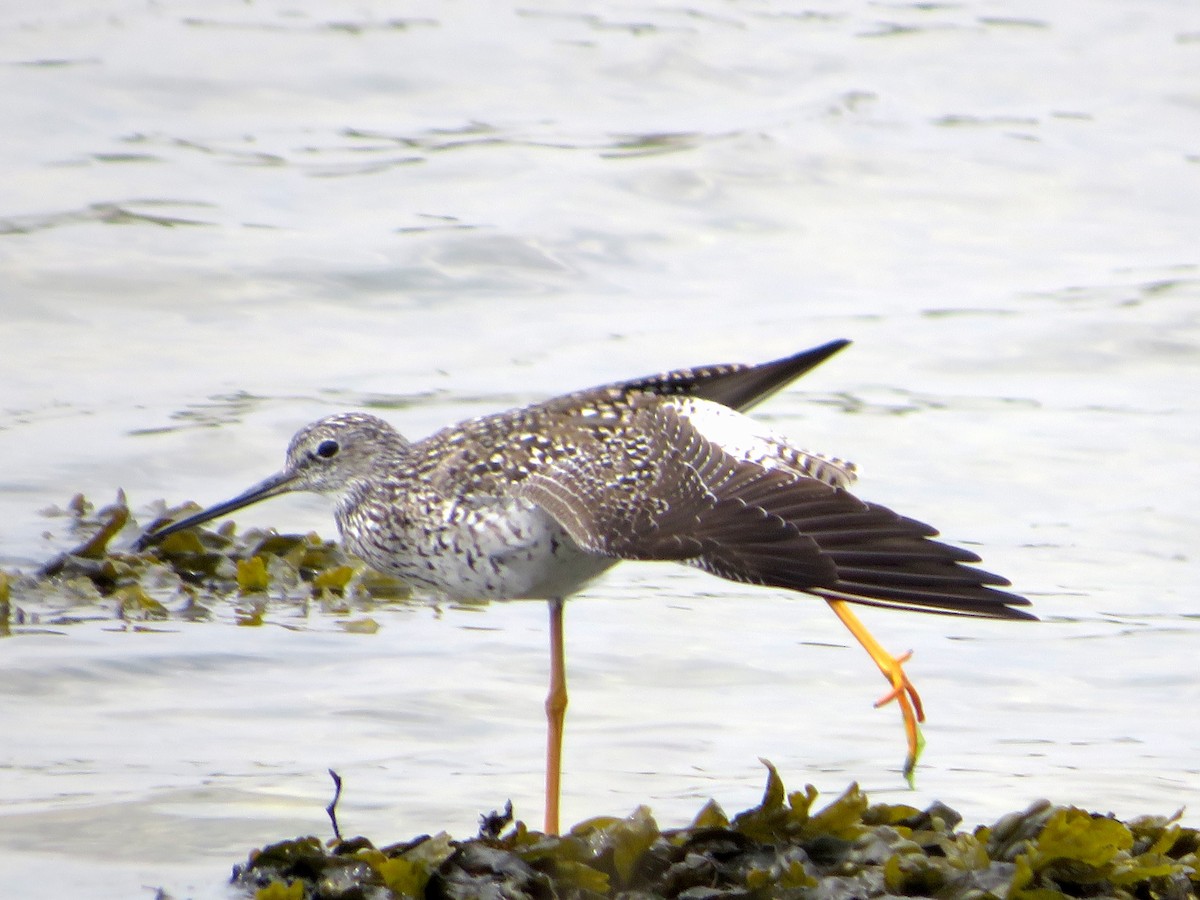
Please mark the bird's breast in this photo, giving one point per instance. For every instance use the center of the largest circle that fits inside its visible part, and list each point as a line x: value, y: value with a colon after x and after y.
x: 481, y: 549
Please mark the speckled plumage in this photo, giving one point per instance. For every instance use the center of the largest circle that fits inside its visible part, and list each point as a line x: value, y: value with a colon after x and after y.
x: 537, y: 501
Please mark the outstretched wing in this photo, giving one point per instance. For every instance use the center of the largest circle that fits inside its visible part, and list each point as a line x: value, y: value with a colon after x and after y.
x: 653, y: 485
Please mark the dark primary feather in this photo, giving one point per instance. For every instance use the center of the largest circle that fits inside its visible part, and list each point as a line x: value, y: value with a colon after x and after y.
x: 735, y: 385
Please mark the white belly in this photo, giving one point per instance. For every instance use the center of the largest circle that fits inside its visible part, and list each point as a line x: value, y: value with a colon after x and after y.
x: 487, y: 553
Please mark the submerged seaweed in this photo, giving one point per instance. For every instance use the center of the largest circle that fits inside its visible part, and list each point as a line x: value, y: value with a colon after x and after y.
x: 187, y: 575
x: 783, y: 848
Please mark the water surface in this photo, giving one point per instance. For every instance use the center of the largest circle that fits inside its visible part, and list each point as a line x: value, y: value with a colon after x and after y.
x: 220, y: 221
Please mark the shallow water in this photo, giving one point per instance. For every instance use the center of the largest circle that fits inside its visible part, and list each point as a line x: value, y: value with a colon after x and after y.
x: 220, y: 221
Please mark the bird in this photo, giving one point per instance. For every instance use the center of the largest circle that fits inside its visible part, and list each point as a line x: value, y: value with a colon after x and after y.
x: 538, y: 501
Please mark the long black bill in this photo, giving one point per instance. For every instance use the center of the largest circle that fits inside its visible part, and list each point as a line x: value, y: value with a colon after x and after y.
x: 279, y: 483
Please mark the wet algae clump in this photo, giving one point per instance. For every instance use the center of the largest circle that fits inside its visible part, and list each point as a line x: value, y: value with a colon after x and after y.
x: 783, y: 848
x: 192, y: 575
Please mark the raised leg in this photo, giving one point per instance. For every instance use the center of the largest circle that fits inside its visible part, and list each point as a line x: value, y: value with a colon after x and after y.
x: 902, y: 690
x: 556, y: 709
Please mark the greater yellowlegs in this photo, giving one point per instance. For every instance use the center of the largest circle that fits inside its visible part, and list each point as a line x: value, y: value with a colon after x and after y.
x: 538, y: 501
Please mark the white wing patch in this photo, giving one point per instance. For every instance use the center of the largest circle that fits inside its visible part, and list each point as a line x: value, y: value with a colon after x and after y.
x: 749, y: 439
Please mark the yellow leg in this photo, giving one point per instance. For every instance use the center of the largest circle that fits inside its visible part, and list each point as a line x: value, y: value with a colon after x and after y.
x: 556, y: 709
x: 902, y: 690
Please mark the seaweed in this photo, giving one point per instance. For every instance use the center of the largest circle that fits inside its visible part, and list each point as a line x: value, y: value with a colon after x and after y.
x: 783, y: 848
x: 188, y: 575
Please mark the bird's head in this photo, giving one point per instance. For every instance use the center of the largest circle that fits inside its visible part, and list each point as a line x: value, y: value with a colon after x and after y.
x: 326, y: 457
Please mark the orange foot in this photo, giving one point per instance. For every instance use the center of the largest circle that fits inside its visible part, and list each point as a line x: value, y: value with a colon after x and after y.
x: 904, y: 693
x: 902, y: 690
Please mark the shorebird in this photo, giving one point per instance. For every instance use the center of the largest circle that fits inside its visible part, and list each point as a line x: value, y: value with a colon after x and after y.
x: 538, y: 501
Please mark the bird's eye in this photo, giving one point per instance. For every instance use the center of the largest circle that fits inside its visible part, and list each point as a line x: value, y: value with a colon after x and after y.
x: 327, y: 449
